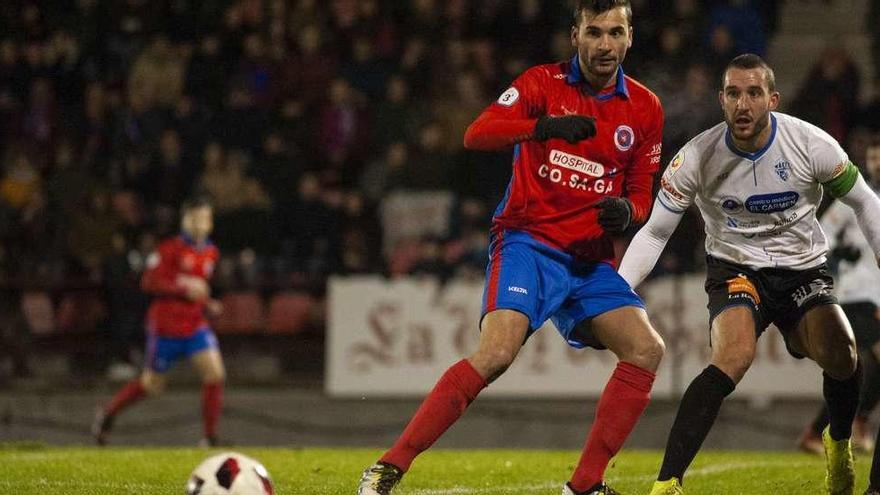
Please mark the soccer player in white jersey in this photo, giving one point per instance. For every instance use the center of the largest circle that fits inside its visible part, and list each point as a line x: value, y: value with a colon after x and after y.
x: 757, y: 179
x: 858, y: 290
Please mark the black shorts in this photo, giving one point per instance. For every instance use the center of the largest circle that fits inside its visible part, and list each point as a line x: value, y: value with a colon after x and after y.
x: 775, y: 295
x: 863, y: 318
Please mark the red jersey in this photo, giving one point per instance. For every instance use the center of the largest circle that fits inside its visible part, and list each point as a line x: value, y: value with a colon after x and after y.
x: 555, y: 185
x: 171, y: 314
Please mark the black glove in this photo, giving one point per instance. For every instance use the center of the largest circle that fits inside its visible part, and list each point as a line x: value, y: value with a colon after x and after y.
x: 847, y: 253
x: 572, y: 128
x: 616, y: 214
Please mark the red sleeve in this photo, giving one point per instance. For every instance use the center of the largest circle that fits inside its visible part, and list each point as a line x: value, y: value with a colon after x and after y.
x: 639, y: 183
x: 512, y: 117
x: 160, y: 277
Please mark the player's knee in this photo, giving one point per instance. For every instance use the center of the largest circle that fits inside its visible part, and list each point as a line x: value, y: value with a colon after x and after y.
x: 647, y: 353
x: 214, y: 376
x: 838, y: 361
x: 152, y: 386
x: 492, y: 363
x: 734, y: 364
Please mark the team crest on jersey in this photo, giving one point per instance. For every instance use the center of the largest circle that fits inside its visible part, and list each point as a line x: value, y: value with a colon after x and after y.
x: 783, y: 169
x: 624, y: 137
x: 509, y: 97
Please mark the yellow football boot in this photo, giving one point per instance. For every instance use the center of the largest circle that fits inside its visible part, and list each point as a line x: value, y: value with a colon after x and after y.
x: 840, y: 475
x: 669, y: 487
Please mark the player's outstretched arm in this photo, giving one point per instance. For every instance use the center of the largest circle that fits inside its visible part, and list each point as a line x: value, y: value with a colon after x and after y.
x: 648, y: 244
x: 866, y: 205
x: 493, y: 131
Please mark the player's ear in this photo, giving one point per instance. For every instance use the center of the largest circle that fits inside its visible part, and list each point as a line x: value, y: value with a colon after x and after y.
x: 574, y: 36
x: 721, y: 99
x: 629, y: 43
x: 774, y: 100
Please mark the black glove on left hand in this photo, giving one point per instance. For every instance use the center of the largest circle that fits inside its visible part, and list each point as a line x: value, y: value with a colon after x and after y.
x: 616, y: 214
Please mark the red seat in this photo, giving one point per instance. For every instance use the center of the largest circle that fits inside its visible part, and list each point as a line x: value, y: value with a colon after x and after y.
x: 81, y: 311
x: 289, y: 312
x: 243, y: 312
x: 39, y: 312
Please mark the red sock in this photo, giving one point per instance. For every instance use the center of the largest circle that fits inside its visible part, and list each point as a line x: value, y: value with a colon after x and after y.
x: 212, y: 404
x: 455, y: 390
x: 625, y: 397
x: 132, y: 392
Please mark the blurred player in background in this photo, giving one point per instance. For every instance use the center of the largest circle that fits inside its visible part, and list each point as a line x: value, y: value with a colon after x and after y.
x: 858, y: 290
x: 177, y: 277
x: 586, y: 144
x: 757, y: 179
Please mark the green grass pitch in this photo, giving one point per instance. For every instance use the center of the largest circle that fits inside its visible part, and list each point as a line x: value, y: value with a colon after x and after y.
x: 34, y: 469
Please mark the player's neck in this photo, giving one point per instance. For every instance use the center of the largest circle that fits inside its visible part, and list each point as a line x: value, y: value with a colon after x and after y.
x: 757, y: 141
x: 198, y: 242
x: 595, y: 82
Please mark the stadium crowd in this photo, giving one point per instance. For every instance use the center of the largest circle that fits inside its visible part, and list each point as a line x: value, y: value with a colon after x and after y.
x: 318, y: 128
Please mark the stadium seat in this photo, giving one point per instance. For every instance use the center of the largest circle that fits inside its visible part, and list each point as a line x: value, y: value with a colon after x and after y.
x: 39, y: 312
x: 289, y: 312
x: 81, y: 311
x: 243, y: 312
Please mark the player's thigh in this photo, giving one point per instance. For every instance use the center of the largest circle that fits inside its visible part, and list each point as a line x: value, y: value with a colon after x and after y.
x: 824, y: 335
x: 502, y: 334
x: 628, y: 333
x: 734, y: 340
x: 209, y: 365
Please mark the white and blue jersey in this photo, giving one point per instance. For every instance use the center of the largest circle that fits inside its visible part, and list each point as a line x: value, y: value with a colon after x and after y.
x: 759, y: 208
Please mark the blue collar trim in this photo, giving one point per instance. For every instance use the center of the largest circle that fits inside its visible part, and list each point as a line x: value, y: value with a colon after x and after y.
x: 728, y: 138
x: 192, y: 242
x: 575, y: 76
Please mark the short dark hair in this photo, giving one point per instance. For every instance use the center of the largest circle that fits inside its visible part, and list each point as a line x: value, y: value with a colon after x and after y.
x: 200, y: 201
x: 752, y: 61
x: 599, y: 6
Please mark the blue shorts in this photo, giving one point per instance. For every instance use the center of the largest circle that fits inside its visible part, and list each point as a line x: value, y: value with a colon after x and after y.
x: 163, y: 352
x: 544, y: 283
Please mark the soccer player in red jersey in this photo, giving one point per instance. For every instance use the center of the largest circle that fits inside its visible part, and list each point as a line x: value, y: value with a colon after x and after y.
x: 586, y: 144
x: 177, y: 277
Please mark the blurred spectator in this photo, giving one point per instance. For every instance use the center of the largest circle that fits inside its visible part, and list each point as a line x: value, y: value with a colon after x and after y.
x: 366, y: 72
x: 743, y: 21
x: 385, y: 173
x: 206, y: 72
x: 690, y: 109
x: 126, y: 302
x: 92, y: 231
x: 21, y: 182
x: 398, y: 115
x: 344, y: 129
x: 829, y: 94
x: 429, y: 165
x: 454, y: 114
x: 40, y: 124
x: 158, y: 74
x: 308, y: 86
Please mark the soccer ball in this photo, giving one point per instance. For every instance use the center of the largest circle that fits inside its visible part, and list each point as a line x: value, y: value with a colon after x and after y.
x: 229, y: 473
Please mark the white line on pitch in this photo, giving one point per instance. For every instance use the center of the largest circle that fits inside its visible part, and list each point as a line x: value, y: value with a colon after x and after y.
x: 708, y: 470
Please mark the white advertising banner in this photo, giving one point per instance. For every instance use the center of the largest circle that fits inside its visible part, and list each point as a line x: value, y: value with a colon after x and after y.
x: 395, y: 338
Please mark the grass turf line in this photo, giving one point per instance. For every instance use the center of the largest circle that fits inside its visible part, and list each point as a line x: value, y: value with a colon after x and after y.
x: 79, y: 471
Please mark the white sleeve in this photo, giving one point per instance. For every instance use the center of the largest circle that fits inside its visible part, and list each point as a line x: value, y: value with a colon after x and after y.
x: 648, y: 243
x: 827, y: 157
x: 866, y: 206
x: 836, y: 218
x: 678, y: 184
